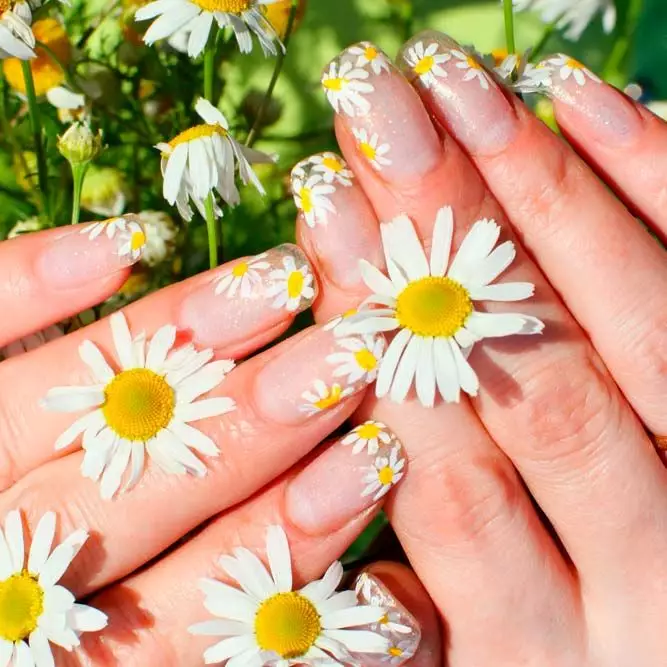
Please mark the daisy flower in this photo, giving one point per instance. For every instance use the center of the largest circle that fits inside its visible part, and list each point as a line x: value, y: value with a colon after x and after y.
x: 369, y: 54
x: 34, y: 608
x: 518, y: 73
x: 361, y: 358
x: 426, y: 62
x: 131, y: 235
x: 369, y: 436
x: 374, y: 153
x: 323, y: 397
x: 432, y: 306
x: 311, y: 196
x: 400, y: 652
x: 203, y: 159
x: 345, y: 87
x: 291, y: 285
x: 16, y: 37
x: 143, y: 408
x: 332, y: 168
x: 244, y: 278
x: 565, y: 67
x: 335, y: 322
x: 385, y: 472
x: 473, y: 68
x: 265, y: 622
x: 195, y: 18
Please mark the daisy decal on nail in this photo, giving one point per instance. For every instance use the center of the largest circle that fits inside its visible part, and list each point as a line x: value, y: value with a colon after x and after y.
x: 368, y: 55
x: 345, y: 87
x: 472, y: 67
x: 332, y: 168
x: 385, y: 472
x: 427, y: 62
x: 323, y: 397
x: 311, y: 196
x: 129, y: 234
x: 565, y: 67
x: 144, y: 407
x: 432, y: 307
x: 370, y: 147
x: 292, y: 285
x: 369, y: 437
x: 244, y: 278
x: 518, y: 73
x: 264, y: 621
x: 360, y: 359
x: 35, y: 610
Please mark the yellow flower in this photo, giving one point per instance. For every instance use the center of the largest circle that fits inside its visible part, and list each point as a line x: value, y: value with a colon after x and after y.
x: 278, y: 15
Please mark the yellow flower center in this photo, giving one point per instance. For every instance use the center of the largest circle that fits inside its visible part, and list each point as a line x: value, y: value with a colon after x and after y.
x: 368, y: 432
x: 138, y: 404
x: 395, y: 652
x: 386, y: 476
x: 368, y: 150
x: 499, y: 55
x: 5, y: 5
x: 574, y: 64
x: 472, y: 63
x: 333, y: 163
x: 197, y: 132
x: 335, y: 83
x: 295, y: 284
x: 366, y: 359
x: 229, y: 6
x: 287, y: 624
x: 21, y: 605
x: 433, y: 307
x: 332, y: 398
x: 306, y: 196
x: 425, y: 65
x: 370, y: 53
x: 240, y: 270
x: 138, y: 240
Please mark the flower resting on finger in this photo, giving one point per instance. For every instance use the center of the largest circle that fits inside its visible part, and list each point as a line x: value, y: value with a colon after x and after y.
x: 267, y: 622
x: 143, y: 408
x: 432, y: 307
x: 34, y: 609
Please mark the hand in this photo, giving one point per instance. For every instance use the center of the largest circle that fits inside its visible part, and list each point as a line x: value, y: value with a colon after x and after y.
x: 563, y: 420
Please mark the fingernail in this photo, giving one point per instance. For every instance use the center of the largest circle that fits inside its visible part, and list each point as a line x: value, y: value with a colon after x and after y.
x: 342, y: 223
x: 459, y: 92
x: 599, y: 109
x: 350, y: 476
x: 90, y: 251
x: 249, y: 296
x: 378, y: 106
x: 398, y: 625
x: 316, y: 373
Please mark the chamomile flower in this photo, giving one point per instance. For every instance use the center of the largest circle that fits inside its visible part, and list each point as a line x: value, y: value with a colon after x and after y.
x: 565, y: 67
x: 472, y: 67
x: 204, y: 159
x: 372, y: 149
x: 35, y: 611
x: 432, y: 307
x: 332, y: 168
x: 145, y: 407
x: 196, y: 17
x: 519, y: 74
x: 361, y: 358
x: 369, y: 54
x: 369, y: 436
x: 426, y: 62
x: 244, y: 278
x: 131, y: 235
x: 400, y: 651
x: 311, y: 196
x: 323, y: 397
x: 266, y: 622
x: 385, y: 472
x: 291, y: 285
x: 16, y: 37
x: 345, y: 86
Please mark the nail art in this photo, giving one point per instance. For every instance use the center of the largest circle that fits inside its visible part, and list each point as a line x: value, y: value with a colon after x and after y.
x: 369, y: 437
x: 563, y: 67
x: 345, y: 86
x: 292, y: 285
x: 334, y: 323
x: 398, y: 625
x: 360, y: 359
x: 369, y: 57
x: 322, y: 397
x: 371, y: 148
x: 426, y: 62
x: 129, y: 234
x: 385, y: 473
x: 245, y: 278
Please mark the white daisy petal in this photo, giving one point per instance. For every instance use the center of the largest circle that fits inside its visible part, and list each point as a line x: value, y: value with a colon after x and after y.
x: 42, y: 541
x: 14, y: 537
x: 279, y: 558
x: 443, y: 231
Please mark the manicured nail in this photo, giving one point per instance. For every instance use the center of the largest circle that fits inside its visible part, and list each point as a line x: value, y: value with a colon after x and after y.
x: 398, y: 625
x: 347, y: 478
x: 341, y: 220
x: 391, y: 127
x: 316, y: 373
x: 249, y: 296
x: 90, y: 251
x: 598, y: 108
x: 459, y: 92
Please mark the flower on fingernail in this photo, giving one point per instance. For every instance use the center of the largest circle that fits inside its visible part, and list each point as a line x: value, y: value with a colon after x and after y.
x: 345, y: 86
x: 311, y: 196
x: 130, y: 235
x: 385, y: 472
x: 472, y: 67
x: 431, y: 304
x: 370, y: 147
x: 369, y: 437
x: 244, y: 278
x: 145, y: 407
x: 330, y: 166
x: 368, y: 54
x: 426, y: 62
x: 334, y: 324
x: 323, y: 397
x: 565, y: 67
x: 361, y: 359
x: 291, y: 285
x: 518, y: 73
x: 266, y: 622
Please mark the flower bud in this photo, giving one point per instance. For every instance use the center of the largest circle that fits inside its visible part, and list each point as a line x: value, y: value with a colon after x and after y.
x: 79, y: 145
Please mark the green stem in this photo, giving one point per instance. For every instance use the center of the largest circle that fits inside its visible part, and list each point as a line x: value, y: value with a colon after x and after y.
x: 626, y: 27
x: 509, y: 26
x: 36, y: 126
x: 212, y: 232
x: 253, y: 135
x: 78, y: 174
x: 209, y: 73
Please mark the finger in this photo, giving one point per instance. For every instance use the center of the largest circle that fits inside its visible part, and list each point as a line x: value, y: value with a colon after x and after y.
x: 235, y: 310
x: 48, y: 276
x: 277, y: 419
x: 563, y: 213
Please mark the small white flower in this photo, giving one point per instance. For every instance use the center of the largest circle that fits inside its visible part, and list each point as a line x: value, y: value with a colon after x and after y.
x: 399, y: 652
x: 323, y: 397
x: 16, y: 37
x: 130, y: 235
x: 472, y: 67
x: 345, y: 87
x: 520, y: 75
x: 244, y: 278
x: 371, y: 149
x: 427, y: 62
x: 361, y: 358
x: 311, y: 196
x: 368, y: 54
x: 291, y: 285
x: 143, y: 408
x: 369, y: 436
x: 332, y: 168
x: 266, y: 622
x: 565, y: 67
x: 385, y: 473
x: 36, y: 611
